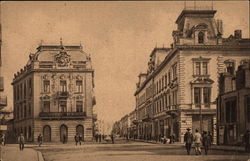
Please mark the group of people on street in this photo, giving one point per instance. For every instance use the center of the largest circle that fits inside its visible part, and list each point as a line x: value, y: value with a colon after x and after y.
x: 78, y: 139
x: 198, y: 139
x: 99, y: 137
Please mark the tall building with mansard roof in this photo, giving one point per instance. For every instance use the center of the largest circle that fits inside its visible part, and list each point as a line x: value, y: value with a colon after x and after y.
x: 180, y: 88
x: 53, y: 94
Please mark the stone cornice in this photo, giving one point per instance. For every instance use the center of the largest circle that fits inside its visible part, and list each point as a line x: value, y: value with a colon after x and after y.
x: 18, y: 78
x: 213, y: 47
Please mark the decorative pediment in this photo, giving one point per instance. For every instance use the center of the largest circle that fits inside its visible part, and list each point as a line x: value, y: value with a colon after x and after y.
x: 62, y: 58
x: 202, y: 80
x: 46, y: 97
x: 201, y: 26
x: 45, y: 77
x: 229, y: 61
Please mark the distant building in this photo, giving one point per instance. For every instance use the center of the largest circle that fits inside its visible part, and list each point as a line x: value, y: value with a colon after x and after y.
x: 180, y: 88
x: 234, y: 105
x: 53, y: 94
x: 3, y: 97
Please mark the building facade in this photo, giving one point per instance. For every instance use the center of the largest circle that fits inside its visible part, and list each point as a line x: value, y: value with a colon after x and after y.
x: 180, y: 88
x: 234, y: 105
x: 53, y: 94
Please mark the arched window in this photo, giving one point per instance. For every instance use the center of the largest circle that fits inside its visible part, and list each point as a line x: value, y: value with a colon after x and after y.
x: 63, y: 133
x: 201, y: 38
x: 80, y: 131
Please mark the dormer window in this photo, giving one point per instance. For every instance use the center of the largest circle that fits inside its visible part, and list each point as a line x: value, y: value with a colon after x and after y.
x: 201, y: 36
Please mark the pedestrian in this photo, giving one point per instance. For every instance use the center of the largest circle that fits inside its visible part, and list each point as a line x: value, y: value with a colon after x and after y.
x: 206, y: 141
x: 40, y: 139
x: 64, y: 138
x: 103, y: 136
x: 188, y: 139
x: 3, y: 139
x: 246, y: 140
x: 21, y: 141
x: 112, y: 138
x: 96, y: 137
x: 211, y: 138
x: 76, y: 138
x: 80, y: 139
x: 100, y: 137
x: 197, y: 142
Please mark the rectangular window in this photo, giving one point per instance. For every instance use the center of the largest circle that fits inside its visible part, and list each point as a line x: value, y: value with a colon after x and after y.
x: 206, y: 95
x: 21, y: 91
x: 159, y: 85
x: 197, y: 96
x: 29, y: 113
x: 204, y: 68
x: 25, y: 111
x: 63, y: 86
x: 231, y: 115
x: 166, y: 80
x: 24, y: 89
x: 30, y: 87
x: 63, y: 106
x: 46, y: 106
x: 162, y: 82
x: 46, y: 86
x: 169, y: 77
x: 197, y: 68
x: 174, y: 71
x: 79, y: 86
x: 79, y: 106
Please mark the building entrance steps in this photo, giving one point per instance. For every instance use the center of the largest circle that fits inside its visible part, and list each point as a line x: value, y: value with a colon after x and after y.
x: 11, y: 152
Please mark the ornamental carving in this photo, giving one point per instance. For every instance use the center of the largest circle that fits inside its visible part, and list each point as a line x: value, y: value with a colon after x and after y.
x: 62, y: 58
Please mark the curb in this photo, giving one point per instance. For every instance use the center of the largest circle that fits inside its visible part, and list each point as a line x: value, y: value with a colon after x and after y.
x: 40, y: 156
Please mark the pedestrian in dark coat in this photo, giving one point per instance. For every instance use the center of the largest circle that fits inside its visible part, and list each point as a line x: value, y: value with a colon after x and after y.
x: 21, y: 141
x: 206, y: 141
x: 246, y: 140
x: 100, y: 137
x: 40, y: 139
x: 77, y: 138
x: 112, y: 138
x: 96, y: 137
x: 188, y: 139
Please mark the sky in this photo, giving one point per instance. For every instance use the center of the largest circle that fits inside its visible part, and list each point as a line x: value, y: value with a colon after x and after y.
x: 119, y: 36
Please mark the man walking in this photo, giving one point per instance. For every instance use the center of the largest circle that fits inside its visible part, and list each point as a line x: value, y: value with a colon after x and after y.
x: 40, y: 139
x: 188, y: 139
x: 246, y: 139
x: 77, y: 138
x: 197, y: 142
x: 206, y: 141
x: 21, y: 141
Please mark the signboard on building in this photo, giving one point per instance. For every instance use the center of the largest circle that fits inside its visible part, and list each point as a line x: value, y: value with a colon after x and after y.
x: 3, y: 127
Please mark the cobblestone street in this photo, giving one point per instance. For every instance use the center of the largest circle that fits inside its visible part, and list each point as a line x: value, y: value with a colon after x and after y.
x: 132, y: 150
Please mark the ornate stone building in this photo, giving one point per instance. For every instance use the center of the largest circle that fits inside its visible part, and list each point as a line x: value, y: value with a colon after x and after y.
x: 180, y: 87
x: 53, y: 94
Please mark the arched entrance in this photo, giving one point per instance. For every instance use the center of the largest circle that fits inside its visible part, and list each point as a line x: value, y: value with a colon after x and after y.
x: 80, y: 130
x: 46, y: 133
x: 63, y: 133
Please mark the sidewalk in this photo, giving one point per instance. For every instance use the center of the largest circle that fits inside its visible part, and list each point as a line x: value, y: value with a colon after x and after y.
x: 214, y: 147
x: 11, y: 152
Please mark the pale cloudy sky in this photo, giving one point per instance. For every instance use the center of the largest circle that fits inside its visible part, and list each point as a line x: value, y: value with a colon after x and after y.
x: 118, y: 35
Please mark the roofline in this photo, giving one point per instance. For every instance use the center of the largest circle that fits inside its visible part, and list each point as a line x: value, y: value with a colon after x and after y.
x: 194, y: 11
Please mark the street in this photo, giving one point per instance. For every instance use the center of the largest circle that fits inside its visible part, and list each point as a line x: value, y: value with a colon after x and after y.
x: 130, y: 151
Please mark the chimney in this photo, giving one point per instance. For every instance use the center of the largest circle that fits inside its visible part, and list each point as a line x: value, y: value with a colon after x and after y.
x: 237, y: 34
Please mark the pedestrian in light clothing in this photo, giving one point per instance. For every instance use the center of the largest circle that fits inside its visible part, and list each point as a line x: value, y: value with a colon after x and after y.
x: 206, y: 141
x: 3, y: 139
x: 188, y: 139
x: 40, y: 139
x: 21, y: 140
x: 197, y: 142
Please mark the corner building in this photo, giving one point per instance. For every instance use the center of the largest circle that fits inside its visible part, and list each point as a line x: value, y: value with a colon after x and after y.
x: 180, y: 88
x: 53, y: 94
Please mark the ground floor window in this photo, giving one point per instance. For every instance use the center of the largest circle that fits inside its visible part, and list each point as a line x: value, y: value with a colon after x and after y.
x: 46, y: 133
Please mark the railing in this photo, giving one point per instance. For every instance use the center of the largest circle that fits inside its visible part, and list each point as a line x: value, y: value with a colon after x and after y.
x: 3, y: 100
x: 64, y: 94
x: 61, y: 115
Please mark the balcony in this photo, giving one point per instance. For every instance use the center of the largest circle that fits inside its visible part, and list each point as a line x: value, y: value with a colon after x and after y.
x: 63, y: 94
x: 62, y: 115
x: 3, y: 101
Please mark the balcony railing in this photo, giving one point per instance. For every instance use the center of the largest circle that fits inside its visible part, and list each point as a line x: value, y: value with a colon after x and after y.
x: 3, y: 101
x: 63, y: 94
x: 62, y: 115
